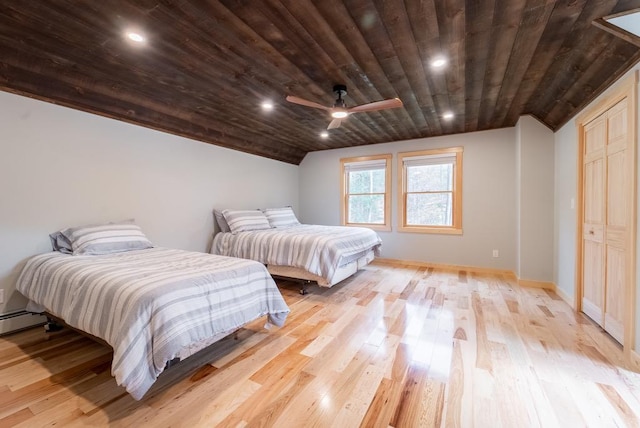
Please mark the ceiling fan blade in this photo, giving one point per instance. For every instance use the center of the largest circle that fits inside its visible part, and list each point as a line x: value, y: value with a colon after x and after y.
x: 377, y: 105
x: 334, y: 123
x: 304, y: 102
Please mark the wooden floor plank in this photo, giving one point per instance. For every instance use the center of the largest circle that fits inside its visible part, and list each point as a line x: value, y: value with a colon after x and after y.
x: 392, y: 346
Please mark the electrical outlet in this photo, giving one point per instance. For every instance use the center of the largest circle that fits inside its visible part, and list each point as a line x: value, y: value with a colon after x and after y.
x: 496, y: 253
x: 1, y: 295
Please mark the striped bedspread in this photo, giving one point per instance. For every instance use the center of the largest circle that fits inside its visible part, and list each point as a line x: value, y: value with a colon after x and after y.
x: 317, y: 249
x: 151, y: 304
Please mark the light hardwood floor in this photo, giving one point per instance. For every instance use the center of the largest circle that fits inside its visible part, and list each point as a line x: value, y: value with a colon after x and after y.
x: 392, y: 346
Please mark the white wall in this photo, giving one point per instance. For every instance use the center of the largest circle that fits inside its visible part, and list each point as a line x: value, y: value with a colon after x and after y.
x: 489, y: 191
x: 61, y: 167
x: 566, y: 155
x: 565, y: 187
x: 535, y: 196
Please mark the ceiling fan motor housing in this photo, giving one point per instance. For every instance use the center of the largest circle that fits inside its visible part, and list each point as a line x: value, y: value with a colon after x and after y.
x: 340, y: 91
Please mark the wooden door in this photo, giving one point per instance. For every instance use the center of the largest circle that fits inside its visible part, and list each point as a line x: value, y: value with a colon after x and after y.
x: 606, y: 185
x: 617, y: 215
x: 593, y: 274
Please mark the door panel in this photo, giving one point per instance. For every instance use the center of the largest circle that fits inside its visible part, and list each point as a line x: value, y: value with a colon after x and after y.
x: 593, y: 280
x: 617, y: 190
x: 594, y: 192
x: 614, y: 298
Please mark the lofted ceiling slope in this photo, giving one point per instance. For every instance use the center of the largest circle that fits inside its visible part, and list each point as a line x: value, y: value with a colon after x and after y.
x: 206, y: 66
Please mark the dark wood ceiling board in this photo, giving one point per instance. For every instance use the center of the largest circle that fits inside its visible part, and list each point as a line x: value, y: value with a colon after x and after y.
x: 337, y: 55
x: 396, y: 20
x: 242, y: 41
x: 451, y: 21
x: 479, y: 21
x: 507, y: 18
x: 534, y: 20
x: 282, y: 34
x: 327, y: 46
x: 109, y: 71
x: 364, y: 66
x: 625, y: 6
x: 233, y: 56
x: 53, y: 71
x: 585, y: 86
x: 572, y: 51
x: 381, y: 69
x: 373, y: 28
x: 633, y: 60
x: 559, y: 25
x: 426, y: 33
x: 298, y: 39
x: 322, y: 32
x: 246, y: 83
x: 227, y: 104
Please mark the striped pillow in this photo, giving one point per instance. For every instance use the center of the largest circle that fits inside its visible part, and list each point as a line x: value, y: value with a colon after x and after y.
x: 281, y: 217
x: 222, y: 223
x: 244, y: 220
x: 60, y: 243
x: 106, y: 238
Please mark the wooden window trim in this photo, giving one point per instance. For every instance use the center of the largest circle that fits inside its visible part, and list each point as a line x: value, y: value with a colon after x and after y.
x: 344, y: 205
x: 456, y: 228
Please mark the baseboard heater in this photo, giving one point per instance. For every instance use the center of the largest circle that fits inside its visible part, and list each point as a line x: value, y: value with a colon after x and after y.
x: 20, y: 320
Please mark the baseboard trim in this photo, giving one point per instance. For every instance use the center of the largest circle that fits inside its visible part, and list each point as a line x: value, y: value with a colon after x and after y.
x: 521, y: 282
x: 536, y: 284
x: 397, y: 262
x: 20, y: 320
x: 569, y: 300
x: 635, y: 360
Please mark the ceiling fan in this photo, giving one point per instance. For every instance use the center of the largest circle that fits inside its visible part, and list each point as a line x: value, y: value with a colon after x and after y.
x: 339, y: 110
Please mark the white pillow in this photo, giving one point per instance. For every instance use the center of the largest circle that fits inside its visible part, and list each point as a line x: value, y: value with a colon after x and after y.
x: 281, y: 217
x: 245, y: 220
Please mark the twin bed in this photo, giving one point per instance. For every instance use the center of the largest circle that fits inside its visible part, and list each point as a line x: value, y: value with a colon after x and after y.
x: 323, y: 254
x: 154, y: 305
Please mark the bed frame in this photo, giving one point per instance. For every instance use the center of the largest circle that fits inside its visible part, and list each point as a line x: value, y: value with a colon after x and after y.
x: 340, y: 274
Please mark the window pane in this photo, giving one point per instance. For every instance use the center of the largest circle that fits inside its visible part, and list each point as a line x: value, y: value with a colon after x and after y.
x: 430, y: 178
x: 367, y: 181
x: 366, y: 209
x: 431, y: 209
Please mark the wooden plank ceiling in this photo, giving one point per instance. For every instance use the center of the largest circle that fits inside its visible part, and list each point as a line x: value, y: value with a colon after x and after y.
x: 207, y: 66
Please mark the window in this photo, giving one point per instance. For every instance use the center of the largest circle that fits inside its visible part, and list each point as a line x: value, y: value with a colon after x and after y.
x: 366, y: 195
x: 431, y: 196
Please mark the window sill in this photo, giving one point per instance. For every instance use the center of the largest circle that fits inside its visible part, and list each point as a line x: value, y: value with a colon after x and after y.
x: 379, y: 227
x: 434, y: 230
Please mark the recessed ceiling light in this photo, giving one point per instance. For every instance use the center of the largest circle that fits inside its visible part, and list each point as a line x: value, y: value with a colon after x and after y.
x: 267, y: 105
x: 448, y: 115
x: 135, y: 37
x: 324, y: 134
x: 438, y: 62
